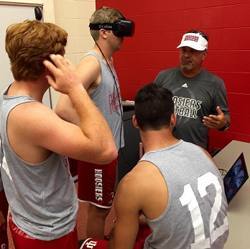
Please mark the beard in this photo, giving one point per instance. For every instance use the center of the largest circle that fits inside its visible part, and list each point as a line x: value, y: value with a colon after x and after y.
x: 188, y: 66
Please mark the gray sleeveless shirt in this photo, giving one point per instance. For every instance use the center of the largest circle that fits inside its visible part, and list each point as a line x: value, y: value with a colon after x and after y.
x: 42, y: 197
x: 196, y: 215
x: 107, y: 98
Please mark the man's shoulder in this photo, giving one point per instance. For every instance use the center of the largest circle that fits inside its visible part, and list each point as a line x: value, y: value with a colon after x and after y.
x: 169, y: 71
x: 196, y: 150
x: 37, y: 110
x: 89, y: 68
x: 210, y: 76
x: 167, y: 75
x: 31, y: 113
x: 31, y: 107
x: 90, y: 56
x: 139, y: 175
x: 191, y: 146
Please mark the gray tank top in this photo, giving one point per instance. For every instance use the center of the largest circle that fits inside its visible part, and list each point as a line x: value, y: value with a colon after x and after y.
x: 42, y: 197
x: 196, y: 215
x: 107, y: 98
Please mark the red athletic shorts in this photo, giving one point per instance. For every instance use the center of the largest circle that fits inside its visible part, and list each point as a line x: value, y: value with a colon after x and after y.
x: 96, y: 183
x: 143, y: 233
x: 23, y: 241
x: 3, y: 226
x: 73, y: 168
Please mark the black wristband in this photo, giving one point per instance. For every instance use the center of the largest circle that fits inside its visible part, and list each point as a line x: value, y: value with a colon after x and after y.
x: 225, y: 127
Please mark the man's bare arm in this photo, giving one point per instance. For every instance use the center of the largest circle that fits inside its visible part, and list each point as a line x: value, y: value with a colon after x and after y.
x: 89, y: 73
x: 127, y: 216
x: 96, y: 135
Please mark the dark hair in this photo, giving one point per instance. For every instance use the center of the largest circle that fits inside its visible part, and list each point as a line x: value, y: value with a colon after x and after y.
x: 153, y: 107
x: 204, y: 35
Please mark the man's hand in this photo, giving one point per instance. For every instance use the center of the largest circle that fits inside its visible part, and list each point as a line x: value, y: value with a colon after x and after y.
x: 215, y: 121
x: 63, y: 77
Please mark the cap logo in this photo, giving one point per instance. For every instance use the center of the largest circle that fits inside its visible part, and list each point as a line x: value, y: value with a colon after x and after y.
x: 191, y: 38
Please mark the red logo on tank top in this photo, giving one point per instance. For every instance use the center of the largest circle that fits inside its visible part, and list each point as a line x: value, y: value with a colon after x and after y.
x: 113, y: 102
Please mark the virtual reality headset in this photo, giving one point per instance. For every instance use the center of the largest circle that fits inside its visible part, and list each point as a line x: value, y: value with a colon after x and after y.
x: 120, y: 28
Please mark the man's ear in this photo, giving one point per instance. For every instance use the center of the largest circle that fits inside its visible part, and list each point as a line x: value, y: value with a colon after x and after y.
x: 103, y: 33
x: 47, y: 72
x: 204, y: 55
x: 173, y: 120
x: 134, y: 122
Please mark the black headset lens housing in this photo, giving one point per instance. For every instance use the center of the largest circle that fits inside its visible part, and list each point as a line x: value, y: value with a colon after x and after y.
x: 120, y: 28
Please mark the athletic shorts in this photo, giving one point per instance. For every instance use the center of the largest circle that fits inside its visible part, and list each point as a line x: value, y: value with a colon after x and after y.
x: 3, y: 226
x: 96, y: 183
x: 143, y: 233
x: 23, y: 241
x: 3, y: 204
x: 73, y: 168
x: 3, y: 236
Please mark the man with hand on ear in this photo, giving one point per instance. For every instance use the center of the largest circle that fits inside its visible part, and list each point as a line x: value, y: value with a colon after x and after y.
x: 35, y: 142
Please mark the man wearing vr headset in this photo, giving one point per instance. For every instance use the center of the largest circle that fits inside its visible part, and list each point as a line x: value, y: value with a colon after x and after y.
x: 199, y: 96
x: 96, y: 183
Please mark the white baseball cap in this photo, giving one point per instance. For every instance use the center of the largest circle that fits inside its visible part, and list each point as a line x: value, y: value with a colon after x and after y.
x: 194, y: 40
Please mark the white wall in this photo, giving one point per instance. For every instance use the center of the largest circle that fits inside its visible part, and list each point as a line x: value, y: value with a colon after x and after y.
x: 48, y: 6
x: 73, y: 16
